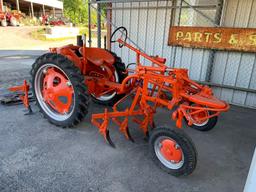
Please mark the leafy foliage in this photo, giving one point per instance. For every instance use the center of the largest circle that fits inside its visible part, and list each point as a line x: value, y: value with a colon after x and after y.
x: 77, y: 11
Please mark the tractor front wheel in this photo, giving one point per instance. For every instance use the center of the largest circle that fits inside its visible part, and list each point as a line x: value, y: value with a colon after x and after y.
x: 59, y: 89
x: 203, y: 125
x: 173, y: 151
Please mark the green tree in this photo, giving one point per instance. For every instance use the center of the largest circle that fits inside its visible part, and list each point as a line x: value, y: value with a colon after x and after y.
x: 77, y: 11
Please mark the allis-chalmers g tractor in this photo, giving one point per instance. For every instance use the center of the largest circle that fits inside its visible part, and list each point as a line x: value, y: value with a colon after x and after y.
x: 64, y: 80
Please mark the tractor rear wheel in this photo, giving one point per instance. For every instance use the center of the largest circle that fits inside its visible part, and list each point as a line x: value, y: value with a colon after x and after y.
x: 59, y: 89
x: 112, y: 98
x: 173, y: 151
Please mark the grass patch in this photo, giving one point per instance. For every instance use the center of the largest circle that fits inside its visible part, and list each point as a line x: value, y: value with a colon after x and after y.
x: 39, y: 34
x: 84, y: 30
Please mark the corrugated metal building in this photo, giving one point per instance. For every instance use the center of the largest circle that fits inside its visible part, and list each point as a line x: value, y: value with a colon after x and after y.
x: 233, y: 74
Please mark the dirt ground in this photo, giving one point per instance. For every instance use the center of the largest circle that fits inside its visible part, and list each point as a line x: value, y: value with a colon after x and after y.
x: 19, y: 38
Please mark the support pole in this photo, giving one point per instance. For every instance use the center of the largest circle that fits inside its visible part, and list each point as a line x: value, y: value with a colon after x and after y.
x: 53, y: 10
x: 32, y: 10
x: 89, y: 24
x: 43, y: 10
x: 99, y: 25
x: 173, y: 13
x: 18, y: 5
x: 212, y: 53
x: 109, y: 28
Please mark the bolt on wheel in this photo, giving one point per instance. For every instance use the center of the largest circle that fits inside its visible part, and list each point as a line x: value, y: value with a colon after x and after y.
x: 173, y: 151
x: 201, y: 123
x: 169, y: 152
x: 59, y: 89
x: 55, y: 92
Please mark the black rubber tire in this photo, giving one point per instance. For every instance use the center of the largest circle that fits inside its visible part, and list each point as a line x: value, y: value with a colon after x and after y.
x: 207, y: 127
x: 186, y: 144
x: 120, y: 69
x: 77, y: 80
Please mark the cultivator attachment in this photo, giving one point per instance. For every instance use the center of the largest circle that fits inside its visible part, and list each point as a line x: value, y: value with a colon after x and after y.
x: 121, y: 118
x: 193, y: 102
x: 105, y: 118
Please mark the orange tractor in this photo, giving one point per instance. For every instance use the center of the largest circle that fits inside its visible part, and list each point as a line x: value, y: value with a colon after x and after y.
x: 64, y: 80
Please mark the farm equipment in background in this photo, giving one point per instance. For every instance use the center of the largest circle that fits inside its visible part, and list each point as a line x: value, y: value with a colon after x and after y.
x: 11, y: 18
x: 48, y: 20
x: 64, y: 80
x: 44, y: 20
x: 56, y: 22
x: 3, y: 19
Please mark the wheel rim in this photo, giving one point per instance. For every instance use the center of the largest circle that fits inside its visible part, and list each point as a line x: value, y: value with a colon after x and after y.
x: 54, y: 92
x: 169, y: 152
x: 108, y: 97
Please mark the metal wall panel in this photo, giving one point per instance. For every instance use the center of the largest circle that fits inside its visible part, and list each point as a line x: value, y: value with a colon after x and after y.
x: 148, y: 26
x: 235, y: 68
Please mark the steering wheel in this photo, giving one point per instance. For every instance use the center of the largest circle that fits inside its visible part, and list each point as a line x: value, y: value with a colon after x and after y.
x: 122, y: 30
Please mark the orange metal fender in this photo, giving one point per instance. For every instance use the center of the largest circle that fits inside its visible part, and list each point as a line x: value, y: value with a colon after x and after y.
x: 69, y: 51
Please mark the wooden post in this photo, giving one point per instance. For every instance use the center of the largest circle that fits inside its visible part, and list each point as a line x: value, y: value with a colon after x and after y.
x: 99, y: 25
x: 18, y: 5
x: 109, y: 28
x: 89, y: 24
x: 53, y: 9
x: 32, y: 10
x: 43, y: 10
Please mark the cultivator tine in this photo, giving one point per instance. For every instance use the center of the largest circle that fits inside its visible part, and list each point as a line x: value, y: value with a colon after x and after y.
x: 30, y: 111
x: 128, y: 135
x: 109, y: 140
x: 146, y: 137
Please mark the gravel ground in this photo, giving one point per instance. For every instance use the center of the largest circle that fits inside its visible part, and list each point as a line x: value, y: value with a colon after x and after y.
x: 37, y: 156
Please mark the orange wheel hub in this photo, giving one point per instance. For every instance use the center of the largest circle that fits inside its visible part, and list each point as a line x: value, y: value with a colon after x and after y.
x: 57, y: 91
x: 199, y: 117
x: 171, y: 151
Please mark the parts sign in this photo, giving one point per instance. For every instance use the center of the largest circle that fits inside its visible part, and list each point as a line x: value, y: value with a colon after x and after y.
x: 221, y: 38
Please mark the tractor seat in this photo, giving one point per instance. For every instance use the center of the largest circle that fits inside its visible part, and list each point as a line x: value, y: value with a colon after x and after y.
x: 98, y: 56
